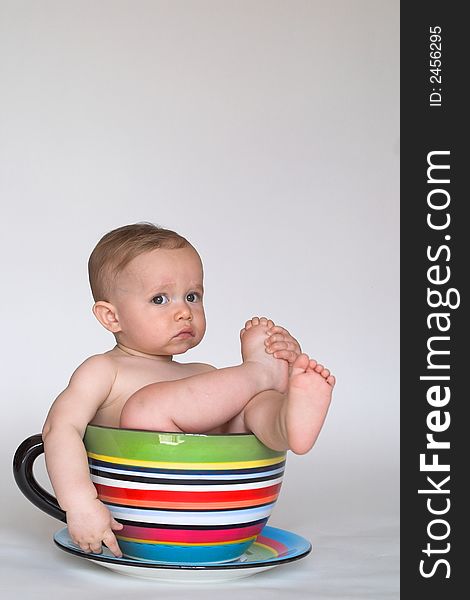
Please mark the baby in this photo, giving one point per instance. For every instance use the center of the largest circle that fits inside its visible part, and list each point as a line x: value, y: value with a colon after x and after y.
x: 147, y: 283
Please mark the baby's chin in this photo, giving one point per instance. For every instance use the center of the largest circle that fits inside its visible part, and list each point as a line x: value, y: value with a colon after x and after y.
x: 183, y: 350
x: 183, y: 346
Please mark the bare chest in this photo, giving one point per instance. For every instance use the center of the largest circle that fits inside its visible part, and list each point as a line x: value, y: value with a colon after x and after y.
x: 132, y: 375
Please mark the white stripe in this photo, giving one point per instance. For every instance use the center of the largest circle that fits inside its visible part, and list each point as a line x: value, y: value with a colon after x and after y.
x: 189, y: 476
x: 135, y: 485
x: 227, y: 517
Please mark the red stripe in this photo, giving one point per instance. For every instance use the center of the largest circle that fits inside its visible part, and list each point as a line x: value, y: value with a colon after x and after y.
x: 195, y: 506
x: 164, y: 496
x: 192, y: 536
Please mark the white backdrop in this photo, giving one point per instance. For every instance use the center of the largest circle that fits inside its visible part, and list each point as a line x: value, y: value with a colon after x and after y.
x: 266, y: 132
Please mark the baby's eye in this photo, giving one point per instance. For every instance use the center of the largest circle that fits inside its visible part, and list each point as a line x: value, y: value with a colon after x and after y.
x: 160, y: 299
x: 193, y: 297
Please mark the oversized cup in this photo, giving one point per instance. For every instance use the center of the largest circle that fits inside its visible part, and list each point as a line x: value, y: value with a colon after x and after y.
x: 182, y: 498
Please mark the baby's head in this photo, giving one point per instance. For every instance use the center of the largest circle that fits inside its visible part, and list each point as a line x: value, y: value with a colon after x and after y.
x: 147, y: 285
x: 116, y: 249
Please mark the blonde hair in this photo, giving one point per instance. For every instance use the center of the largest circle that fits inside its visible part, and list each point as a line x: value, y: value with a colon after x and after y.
x: 117, y: 248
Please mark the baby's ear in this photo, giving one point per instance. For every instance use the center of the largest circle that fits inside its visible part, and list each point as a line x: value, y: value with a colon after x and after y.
x: 107, y: 315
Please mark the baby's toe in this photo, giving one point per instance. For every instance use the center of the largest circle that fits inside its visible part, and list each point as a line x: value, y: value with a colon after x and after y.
x: 277, y: 329
x: 301, y: 362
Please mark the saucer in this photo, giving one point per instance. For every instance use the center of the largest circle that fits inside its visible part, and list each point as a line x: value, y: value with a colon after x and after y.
x: 272, y: 548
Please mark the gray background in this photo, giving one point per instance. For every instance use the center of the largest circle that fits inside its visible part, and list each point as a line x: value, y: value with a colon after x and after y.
x: 267, y: 133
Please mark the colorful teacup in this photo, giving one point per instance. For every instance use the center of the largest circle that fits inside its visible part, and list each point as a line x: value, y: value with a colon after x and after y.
x: 182, y: 498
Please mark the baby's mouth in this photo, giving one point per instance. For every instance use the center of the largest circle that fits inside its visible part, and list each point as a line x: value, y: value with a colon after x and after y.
x: 185, y: 334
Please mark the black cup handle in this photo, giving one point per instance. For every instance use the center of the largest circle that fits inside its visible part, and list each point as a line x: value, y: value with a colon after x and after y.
x: 23, y: 461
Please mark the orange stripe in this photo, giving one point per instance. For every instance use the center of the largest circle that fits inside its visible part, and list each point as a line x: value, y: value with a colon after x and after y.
x: 189, y: 505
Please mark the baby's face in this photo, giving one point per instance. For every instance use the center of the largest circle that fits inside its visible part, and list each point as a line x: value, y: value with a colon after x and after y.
x: 158, y: 299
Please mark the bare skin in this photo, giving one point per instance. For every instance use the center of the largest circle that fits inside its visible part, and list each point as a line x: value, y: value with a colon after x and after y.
x: 243, y: 398
x: 293, y: 420
x: 203, y: 402
x: 155, y: 311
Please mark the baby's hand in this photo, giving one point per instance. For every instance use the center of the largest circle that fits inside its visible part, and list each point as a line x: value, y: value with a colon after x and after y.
x: 91, y: 524
x: 281, y: 344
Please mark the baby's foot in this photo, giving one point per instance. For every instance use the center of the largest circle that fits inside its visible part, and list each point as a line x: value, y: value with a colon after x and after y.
x: 308, y: 398
x: 275, y: 370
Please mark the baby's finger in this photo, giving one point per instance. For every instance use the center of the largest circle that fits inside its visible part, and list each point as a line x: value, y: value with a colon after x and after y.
x: 96, y: 548
x: 110, y: 541
x: 116, y: 525
x: 80, y: 543
x: 85, y: 547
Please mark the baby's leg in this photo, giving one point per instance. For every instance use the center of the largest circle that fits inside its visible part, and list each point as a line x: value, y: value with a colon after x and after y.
x: 293, y: 421
x: 203, y: 402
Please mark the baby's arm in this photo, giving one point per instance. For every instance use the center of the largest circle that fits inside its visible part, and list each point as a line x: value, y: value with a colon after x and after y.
x: 89, y: 521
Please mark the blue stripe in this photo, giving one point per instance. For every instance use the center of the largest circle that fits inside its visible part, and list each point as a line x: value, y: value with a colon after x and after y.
x: 243, y: 514
x: 183, y: 554
x: 101, y: 463
x: 180, y: 481
x: 193, y: 527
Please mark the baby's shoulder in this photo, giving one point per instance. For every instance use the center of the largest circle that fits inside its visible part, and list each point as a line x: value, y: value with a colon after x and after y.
x: 98, y: 365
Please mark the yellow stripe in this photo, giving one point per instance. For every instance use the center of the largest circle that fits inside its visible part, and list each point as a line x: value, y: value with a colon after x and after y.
x: 273, y: 552
x: 248, y: 464
x: 136, y: 541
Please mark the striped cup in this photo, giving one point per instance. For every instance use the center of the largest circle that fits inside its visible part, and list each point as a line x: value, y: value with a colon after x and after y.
x: 183, y: 498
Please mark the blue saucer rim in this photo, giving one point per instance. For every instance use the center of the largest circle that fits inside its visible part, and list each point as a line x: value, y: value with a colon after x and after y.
x: 271, y: 562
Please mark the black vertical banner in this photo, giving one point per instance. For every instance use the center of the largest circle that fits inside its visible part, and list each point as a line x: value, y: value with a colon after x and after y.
x: 434, y: 252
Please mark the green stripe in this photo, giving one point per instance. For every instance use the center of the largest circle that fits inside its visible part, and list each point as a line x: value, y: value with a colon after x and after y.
x: 175, y: 447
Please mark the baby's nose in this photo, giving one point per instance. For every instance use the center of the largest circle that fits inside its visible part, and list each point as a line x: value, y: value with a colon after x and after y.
x: 183, y: 312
